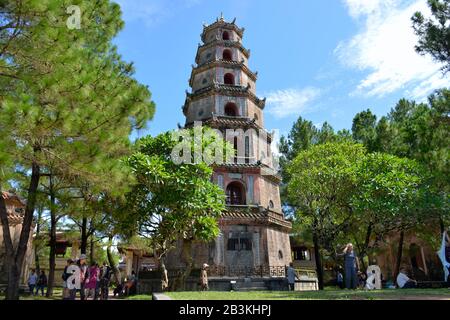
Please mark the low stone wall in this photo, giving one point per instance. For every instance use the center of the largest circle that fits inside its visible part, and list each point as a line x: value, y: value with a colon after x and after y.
x: 149, y: 286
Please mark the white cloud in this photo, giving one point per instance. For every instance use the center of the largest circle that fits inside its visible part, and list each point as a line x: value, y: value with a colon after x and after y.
x: 385, y: 48
x: 289, y: 102
x: 358, y: 8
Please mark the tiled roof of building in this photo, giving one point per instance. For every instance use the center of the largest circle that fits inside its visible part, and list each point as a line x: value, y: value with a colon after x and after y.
x: 12, y: 196
x: 14, y: 201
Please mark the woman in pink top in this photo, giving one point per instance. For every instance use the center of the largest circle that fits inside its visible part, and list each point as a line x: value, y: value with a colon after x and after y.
x: 91, y: 282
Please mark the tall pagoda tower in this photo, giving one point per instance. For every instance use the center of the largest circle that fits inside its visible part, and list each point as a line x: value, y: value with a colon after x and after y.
x: 254, y: 233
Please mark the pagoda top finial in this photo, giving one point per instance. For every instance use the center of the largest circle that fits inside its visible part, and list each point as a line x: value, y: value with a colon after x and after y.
x: 221, y: 17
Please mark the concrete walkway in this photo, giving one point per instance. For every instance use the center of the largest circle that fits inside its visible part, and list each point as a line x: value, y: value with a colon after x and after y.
x: 160, y: 296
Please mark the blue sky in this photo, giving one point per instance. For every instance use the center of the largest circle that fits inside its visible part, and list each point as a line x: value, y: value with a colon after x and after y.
x: 324, y: 60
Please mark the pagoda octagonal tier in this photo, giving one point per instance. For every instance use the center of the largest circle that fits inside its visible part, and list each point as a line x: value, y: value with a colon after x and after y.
x: 254, y: 232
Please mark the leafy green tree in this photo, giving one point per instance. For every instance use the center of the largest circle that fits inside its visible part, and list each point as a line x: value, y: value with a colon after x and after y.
x: 303, y: 135
x: 419, y: 131
x: 67, y: 100
x: 423, y: 135
x: 323, y: 180
x: 173, y: 202
x: 434, y: 32
x: 387, y: 198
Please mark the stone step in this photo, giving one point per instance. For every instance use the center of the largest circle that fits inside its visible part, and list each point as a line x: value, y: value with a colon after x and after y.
x: 252, y: 289
x: 251, y: 286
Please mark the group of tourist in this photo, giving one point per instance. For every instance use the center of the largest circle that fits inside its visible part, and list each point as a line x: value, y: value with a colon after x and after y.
x: 350, y: 277
x: 356, y: 279
x: 91, y: 282
x: 37, y: 282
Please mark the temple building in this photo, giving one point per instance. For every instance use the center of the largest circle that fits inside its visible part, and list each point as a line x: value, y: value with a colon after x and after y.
x: 254, y: 236
x: 15, y: 207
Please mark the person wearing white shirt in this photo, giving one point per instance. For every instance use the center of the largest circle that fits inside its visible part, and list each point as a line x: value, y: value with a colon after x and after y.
x: 404, y: 282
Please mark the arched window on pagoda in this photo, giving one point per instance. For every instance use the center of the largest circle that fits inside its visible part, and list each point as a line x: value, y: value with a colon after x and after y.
x: 227, y: 55
x: 228, y: 79
x: 231, y: 110
x: 226, y: 35
x: 235, y: 194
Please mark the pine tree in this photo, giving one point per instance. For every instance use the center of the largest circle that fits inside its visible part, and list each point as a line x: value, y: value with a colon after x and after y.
x: 67, y: 99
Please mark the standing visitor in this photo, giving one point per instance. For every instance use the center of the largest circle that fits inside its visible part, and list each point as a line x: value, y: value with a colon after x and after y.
x: 351, y: 266
x: 105, y: 279
x: 204, y: 278
x: 83, y: 275
x: 65, y: 276
x: 42, y: 283
x: 91, y: 281
x: 291, y: 275
x: 32, y: 281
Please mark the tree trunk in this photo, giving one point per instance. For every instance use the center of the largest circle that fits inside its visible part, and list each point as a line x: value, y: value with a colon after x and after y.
x: 319, y: 267
x: 14, y: 265
x: 187, y: 257
x: 36, y: 249
x: 113, y: 266
x: 399, y: 255
x: 84, y: 236
x: 52, y: 255
x: 91, y: 251
x: 363, y: 254
x: 164, y: 275
x: 9, y: 257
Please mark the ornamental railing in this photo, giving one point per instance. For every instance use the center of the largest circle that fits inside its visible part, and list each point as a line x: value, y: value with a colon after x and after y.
x: 250, y: 272
x: 223, y: 272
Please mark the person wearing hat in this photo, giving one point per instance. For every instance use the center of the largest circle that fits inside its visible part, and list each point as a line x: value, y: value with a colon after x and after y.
x: 204, y: 278
x: 83, y: 275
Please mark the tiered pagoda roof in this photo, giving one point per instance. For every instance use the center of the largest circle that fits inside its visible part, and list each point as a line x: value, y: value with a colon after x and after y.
x: 224, y: 43
x: 254, y: 215
x: 222, y: 63
x: 221, y: 23
x: 224, y: 89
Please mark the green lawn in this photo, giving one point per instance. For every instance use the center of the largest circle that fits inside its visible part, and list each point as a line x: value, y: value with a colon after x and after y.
x: 328, y: 294
x: 57, y: 295
x: 323, y: 295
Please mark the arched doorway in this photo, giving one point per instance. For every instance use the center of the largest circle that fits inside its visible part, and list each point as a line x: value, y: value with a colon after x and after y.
x: 235, y: 194
x: 225, y: 35
x: 231, y: 110
x: 228, y: 79
x: 227, y: 55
